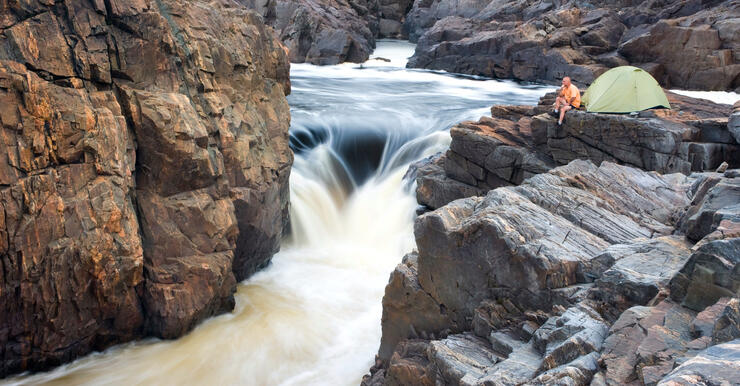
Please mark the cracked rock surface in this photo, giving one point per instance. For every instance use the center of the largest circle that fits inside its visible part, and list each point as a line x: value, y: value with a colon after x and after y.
x: 144, y: 169
x: 518, y: 142
x: 582, y: 275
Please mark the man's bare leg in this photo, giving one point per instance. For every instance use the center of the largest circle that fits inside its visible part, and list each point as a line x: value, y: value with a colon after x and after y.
x: 562, y: 113
x: 559, y: 101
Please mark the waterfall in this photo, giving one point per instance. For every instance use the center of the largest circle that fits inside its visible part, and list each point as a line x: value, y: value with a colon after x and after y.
x: 313, y: 316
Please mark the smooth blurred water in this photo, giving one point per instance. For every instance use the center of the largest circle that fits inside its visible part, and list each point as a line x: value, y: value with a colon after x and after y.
x: 313, y: 316
x: 726, y: 97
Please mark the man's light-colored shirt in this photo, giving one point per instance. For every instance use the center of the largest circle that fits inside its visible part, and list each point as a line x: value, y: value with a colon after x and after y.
x: 573, y: 95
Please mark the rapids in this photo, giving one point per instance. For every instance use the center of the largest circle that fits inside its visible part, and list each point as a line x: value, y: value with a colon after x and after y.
x: 313, y: 316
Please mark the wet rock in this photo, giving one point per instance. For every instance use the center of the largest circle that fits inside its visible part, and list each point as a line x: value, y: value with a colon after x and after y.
x: 142, y: 142
x: 375, y: 378
x: 717, y: 365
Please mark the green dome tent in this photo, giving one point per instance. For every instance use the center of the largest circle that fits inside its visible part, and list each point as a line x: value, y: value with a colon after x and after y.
x: 624, y: 89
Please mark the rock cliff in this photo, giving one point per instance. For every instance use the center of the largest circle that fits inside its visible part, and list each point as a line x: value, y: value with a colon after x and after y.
x: 582, y: 274
x: 144, y: 169
x: 682, y: 43
x: 538, y: 267
x: 517, y: 142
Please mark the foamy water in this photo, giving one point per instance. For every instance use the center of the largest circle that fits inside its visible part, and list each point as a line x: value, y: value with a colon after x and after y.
x: 725, y: 97
x: 313, y: 316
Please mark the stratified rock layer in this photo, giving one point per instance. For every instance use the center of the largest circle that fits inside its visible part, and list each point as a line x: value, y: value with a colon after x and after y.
x: 576, y: 274
x: 518, y: 142
x: 580, y: 275
x: 144, y: 169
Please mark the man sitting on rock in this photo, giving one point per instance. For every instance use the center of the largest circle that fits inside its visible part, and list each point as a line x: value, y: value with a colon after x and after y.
x: 569, y: 97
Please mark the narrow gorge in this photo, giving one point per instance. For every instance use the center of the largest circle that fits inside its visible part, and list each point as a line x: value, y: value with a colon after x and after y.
x: 274, y: 192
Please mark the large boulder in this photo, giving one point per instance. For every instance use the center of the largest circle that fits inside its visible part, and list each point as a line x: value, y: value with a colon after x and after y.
x: 327, y: 31
x: 644, y: 343
x: 692, y: 57
x: 581, y: 275
x: 434, y: 188
x: 144, y: 169
x: 522, y: 243
x: 424, y: 13
x: 639, y: 271
x: 717, y: 365
x: 392, y: 17
x: 408, y: 311
x: 712, y: 272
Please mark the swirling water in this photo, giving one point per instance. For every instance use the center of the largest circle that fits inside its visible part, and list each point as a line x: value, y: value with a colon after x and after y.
x: 313, y: 316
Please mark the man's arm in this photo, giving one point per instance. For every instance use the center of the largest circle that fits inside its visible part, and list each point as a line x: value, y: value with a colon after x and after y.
x: 566, y: 95
x: 567, y: 99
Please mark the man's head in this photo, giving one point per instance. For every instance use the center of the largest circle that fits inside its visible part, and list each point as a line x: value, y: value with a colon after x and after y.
x: 566, y: 81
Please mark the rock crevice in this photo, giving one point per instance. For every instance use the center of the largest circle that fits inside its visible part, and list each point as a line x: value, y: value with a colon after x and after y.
x: 145, y: 169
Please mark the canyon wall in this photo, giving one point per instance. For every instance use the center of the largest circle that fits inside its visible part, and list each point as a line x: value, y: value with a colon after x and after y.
x: 683, y: 43
x: 144, y: 169
x: 687, y: 44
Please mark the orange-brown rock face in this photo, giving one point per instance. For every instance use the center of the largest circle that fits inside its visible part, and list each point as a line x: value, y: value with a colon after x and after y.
x: 144, y: 169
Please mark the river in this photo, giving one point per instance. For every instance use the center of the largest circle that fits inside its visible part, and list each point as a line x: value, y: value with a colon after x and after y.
x: 313, y: 316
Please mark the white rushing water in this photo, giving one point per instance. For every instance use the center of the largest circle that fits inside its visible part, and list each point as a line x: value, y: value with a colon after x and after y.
x: 313, y: 316
x: 726, y: 97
